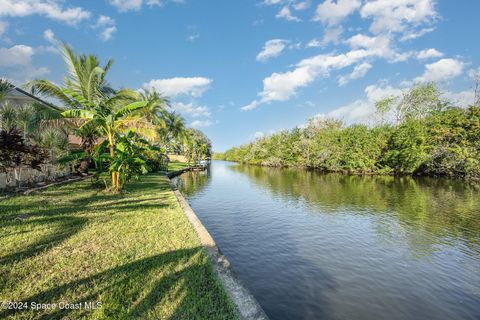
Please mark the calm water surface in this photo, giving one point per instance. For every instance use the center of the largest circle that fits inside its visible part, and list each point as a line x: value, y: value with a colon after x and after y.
x: 316, y: 246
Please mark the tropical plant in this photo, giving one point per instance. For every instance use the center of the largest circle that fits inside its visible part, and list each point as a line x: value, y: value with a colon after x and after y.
x: 8, y: 116
x: 15, y: 153
x: 5, y: 88
x: 110, y: 119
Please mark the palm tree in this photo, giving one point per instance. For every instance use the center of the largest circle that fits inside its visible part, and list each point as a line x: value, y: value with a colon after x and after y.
x: 26, y: 119
x: 156, y: 110
x: 110, y: 119
x: 85, y: 79
x: 5, y: 88
x: 8, y: 117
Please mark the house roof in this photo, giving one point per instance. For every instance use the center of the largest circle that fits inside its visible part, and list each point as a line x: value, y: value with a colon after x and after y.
x: 19, y: 93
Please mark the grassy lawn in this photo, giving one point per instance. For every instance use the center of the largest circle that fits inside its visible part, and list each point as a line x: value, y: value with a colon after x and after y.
x: 175, y: 165
x: 135, y: 253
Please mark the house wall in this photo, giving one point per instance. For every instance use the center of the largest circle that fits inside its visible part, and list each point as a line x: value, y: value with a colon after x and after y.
x: 31, y: 177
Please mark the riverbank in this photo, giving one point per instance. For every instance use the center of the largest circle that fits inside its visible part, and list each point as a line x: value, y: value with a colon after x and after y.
x: 439, y: 143
x: 473, y: 180
x: 131, y: 255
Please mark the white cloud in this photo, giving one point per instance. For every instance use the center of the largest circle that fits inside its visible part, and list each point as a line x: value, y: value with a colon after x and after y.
x: 314, y: 43
x: 332, y: 35
x: 136, y: 5
x: 16, y: 63
x: 190, y: 109
x: 285, y: 13
x: 441, y: 70
x: 429, y: 53
x: 358, y: 72
x: 107, y: 24
x: 398, y: 15
x: 363, y: 110
x: 302, y: 5
x: 332, y: 12
x: 201, y: 124
x: 104, y: 21
x: 282, y: 86
x: 107, y: 33
x: 127, y: 5
x: 271, y: 2
x: 271, y: 49
x: 172, y: 87
x: 50, y: 37
x: 460, y: 99
x: 416, y: 34
x: 51, y: 9
x: 17, y: 55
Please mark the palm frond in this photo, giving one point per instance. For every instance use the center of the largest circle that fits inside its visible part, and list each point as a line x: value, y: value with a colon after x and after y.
x: 129, y: 109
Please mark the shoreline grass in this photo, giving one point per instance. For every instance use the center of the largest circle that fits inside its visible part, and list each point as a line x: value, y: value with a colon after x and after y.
x: 135, y: 253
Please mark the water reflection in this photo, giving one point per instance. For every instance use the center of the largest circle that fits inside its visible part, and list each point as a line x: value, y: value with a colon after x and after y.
x: 441, y: 207
x: 315, y: 246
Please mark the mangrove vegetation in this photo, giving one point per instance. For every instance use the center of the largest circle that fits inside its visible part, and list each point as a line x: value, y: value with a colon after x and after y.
x: 417, y: 133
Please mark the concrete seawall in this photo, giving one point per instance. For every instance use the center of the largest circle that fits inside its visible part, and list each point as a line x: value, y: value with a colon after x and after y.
x: 246, y: 305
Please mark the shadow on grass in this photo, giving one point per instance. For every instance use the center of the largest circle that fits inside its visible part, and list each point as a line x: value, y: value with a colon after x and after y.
x: 180, y: 284
x: 62, y: 228
x: 54, y: 210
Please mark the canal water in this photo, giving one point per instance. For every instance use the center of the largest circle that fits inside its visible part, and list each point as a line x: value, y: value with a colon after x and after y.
x: 327, y: 246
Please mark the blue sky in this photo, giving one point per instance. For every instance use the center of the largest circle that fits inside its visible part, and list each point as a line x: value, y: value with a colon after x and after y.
x: 242, y: 69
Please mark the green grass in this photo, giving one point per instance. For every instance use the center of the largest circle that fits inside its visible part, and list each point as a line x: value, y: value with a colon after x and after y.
x: 136, y: 253
x: 174, y: 165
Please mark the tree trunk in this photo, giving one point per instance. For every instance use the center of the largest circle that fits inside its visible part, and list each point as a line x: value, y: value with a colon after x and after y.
x: 115, y: 174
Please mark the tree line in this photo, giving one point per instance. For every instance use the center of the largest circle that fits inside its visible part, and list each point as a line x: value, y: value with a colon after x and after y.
x: 122, y: 132
x: 416, y: 133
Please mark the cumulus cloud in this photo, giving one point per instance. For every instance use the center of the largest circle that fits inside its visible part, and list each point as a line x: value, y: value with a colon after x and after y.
x: 17, y: 55
x: 127, y: 5
x: 332, y: 12
x: 191, y: 109
x: 104, y: 21
x: 282, y: 86
x: 428, y: 54
x: 358, y: 72
x: 442, y: 70
x: 16, y: 62
x: 49, y: 36
x: 398, y: 15
x: 107, y: 26
x: 363, y: 110
x: 136, y: 5
x: 172, y: 87
x: 51, y: 9
x: 201, y: 124
x: 301, y: 5
x: 272, y: 48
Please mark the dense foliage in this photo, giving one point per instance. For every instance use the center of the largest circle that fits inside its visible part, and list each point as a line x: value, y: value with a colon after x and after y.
x: 425, y: 135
